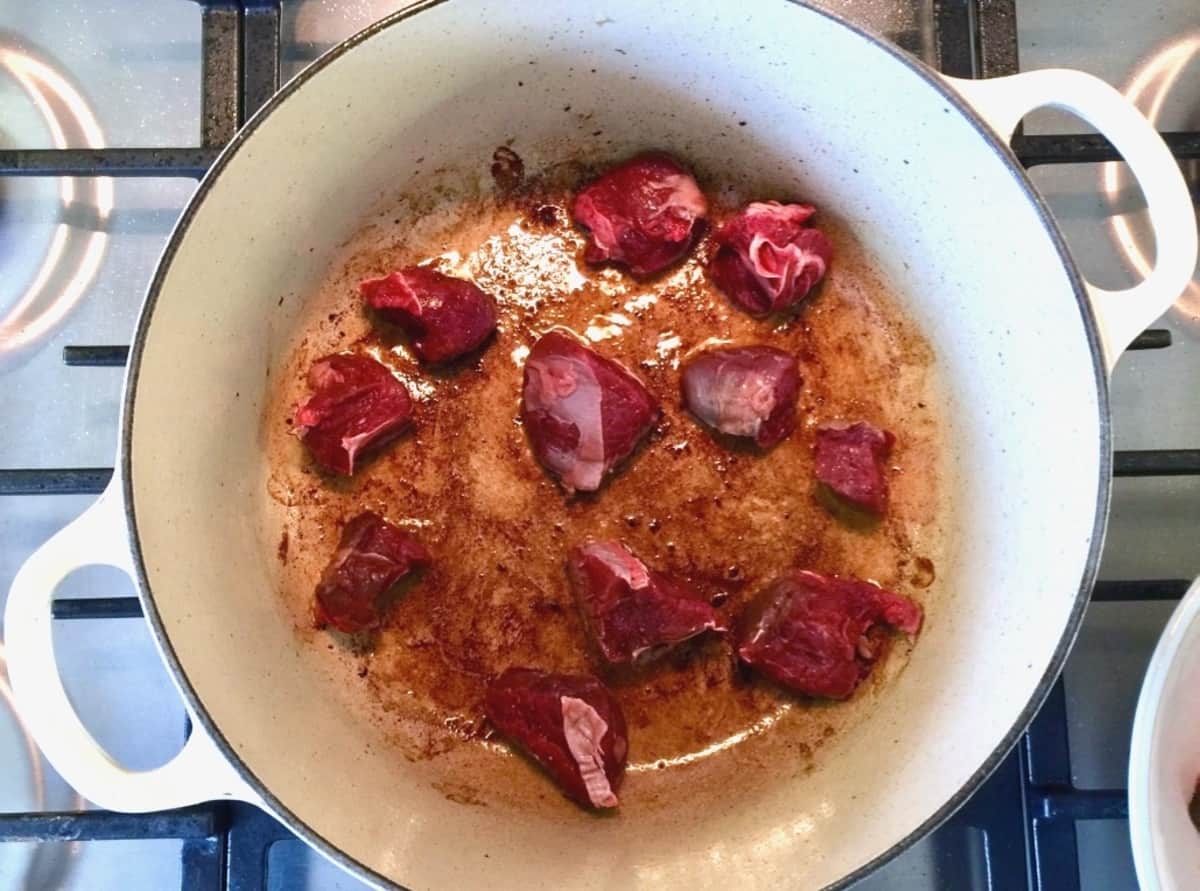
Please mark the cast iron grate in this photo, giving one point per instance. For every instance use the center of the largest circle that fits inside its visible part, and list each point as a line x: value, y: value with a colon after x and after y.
x: 1017, y: 833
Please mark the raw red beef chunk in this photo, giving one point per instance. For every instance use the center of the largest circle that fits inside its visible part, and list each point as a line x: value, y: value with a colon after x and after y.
x: 744, y: 391
x: 769, y: 259
x: 820, y: 635
x: 372, y: 556
x: 570, y: 724
x: 850, y: 461
x: 445, y: 317
x: 642, y: 214
x: 631, y: 610
x: 356, y: 406
x: 583, y: 413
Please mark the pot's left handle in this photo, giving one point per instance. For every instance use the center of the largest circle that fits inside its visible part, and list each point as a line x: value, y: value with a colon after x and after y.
x: 198, y: 773
x: 1122, y: 315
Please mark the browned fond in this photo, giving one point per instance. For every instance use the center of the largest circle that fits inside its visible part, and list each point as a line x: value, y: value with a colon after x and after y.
x: 724, y: 516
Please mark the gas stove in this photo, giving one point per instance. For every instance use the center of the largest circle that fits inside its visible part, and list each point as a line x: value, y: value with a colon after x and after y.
x: 111, y: 113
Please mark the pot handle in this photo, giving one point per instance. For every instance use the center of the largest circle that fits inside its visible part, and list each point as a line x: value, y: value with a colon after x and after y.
x: 1121, y: 315
x: 199, y: 772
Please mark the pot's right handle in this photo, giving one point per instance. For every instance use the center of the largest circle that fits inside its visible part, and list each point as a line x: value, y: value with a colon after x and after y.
x: 199, y: 772
x: 1122, y: 315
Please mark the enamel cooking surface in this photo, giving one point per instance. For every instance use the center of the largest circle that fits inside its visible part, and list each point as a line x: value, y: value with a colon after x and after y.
x: 829, y: 116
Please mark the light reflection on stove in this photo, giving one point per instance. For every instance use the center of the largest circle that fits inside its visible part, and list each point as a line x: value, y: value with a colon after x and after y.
x: 1149, y: 88
x: 76, y: 249
x: 49, y: 865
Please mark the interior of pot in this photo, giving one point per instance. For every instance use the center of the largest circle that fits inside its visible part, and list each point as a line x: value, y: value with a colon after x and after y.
x: 829, y: 116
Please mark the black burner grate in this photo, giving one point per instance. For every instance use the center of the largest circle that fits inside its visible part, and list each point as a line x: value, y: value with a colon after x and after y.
x: 1026, y: 813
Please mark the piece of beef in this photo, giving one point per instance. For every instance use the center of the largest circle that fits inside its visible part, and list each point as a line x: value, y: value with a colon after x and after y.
x: 583, y: 413
x: 744, y: 391
x: 630, y: 610
x: 769, y: 258
x: 445, y: 317
x: 850, y: 461
x: 357, y: 406
x: 820, y: 635
x: 570, y: 724
x: 643, y: 214
x: 371, y: 557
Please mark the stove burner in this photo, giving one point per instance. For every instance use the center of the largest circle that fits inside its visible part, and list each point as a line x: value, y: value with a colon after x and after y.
x: 23, y: 788
x: 1156, y: 82
x: 74, y: 223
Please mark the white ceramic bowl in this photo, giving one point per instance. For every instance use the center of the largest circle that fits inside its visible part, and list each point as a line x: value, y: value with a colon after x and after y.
x: 1164, y: 758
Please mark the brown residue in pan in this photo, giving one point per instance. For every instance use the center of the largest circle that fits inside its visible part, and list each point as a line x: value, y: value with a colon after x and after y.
x: 727, y: 517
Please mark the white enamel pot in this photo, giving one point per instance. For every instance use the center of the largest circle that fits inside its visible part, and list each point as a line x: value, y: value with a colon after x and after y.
x: 914, y: 163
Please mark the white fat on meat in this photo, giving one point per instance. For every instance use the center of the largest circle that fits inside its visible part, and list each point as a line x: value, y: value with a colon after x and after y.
x: 777, y: 266
x: 604, y: 234
x: 346, y: 551
x: 685, y: 200
x: 584, y: 729
x: 353, y: 443
x: 323, y: 375
x: 624, y: 565
x: 735, y: 403
x: 795, y: 214
x: 567, y: 389
x: 354, y: 546
x: 410, y: 295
